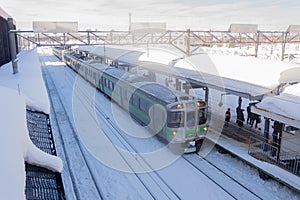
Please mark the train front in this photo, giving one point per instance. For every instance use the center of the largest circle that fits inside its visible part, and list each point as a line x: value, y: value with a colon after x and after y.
x: 186, y: 125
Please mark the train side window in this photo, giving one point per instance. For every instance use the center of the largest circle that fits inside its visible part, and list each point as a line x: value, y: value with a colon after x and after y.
x: 135, y: 100
x: 144, y: 105
x: 106, y: 83
x: 111, y: 85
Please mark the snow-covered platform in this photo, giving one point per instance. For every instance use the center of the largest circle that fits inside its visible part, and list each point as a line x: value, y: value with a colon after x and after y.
x: 240, y: 150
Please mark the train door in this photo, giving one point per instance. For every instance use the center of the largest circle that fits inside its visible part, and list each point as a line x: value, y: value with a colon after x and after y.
x: 158, y: 116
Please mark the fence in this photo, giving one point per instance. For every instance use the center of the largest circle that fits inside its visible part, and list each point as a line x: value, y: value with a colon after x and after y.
x: 259, y: 149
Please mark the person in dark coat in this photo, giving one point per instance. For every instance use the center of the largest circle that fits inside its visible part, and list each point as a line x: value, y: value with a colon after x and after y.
x: 248, y: 114
x: 240, y: 117
x: 227, y: 117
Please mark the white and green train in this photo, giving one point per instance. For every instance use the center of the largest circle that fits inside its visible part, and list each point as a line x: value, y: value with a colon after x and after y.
x: 175, y: 117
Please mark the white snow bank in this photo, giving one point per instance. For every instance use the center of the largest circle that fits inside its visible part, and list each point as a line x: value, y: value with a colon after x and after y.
x: 28, y: 81
x: 284, y: 108
x: 257, y: 71
x: 290, y: 75
x: 16, y: 146
x: 293, y: 89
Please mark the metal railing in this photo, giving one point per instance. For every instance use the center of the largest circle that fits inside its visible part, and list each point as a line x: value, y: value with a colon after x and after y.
x: 268, y: 152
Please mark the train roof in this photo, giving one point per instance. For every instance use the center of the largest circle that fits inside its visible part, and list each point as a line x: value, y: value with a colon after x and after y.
x: 118, y: 73
x: 159, y: 91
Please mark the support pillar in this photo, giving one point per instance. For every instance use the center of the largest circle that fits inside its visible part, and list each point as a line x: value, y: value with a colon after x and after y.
x: 12, y: 45
x: 178, y: 84
x: 187, y: 42
x: 257, y: 44
x: 206, y: 94
x: 280, y: 129
x: 266, y: 132
x: 206, y: 99
x: 284, y: 36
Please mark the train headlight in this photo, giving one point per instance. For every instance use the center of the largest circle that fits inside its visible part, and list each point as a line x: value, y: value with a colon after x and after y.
x: 174, y: 133
x: 179, y: 106
x: 205, y: 128
x: 201, y: 104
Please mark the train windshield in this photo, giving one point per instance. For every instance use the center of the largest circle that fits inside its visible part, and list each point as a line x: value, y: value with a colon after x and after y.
x: 191, y: 119
x: 175, y: 119
x: 202, y: 116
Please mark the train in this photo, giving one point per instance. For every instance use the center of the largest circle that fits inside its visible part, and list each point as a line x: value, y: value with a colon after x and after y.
x: 177, y: 118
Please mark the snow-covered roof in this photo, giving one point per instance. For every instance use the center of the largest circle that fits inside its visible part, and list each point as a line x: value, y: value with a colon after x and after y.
x: 243, y: 76
x: 27, y: 81
x: 283, y: 108
x: 290, y: 75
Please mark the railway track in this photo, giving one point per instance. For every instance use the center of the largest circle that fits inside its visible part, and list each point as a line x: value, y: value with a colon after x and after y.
x: 155, y: 177
x: 157, y: 187
x: 152, y: 181
x: 232, y: 187
x: 70, y: 148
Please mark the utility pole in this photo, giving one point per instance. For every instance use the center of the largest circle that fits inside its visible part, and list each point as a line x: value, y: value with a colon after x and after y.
x: 12, y: 45
x: 129, y: 29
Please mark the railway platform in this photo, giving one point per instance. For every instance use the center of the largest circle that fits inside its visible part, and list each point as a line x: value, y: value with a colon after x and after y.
x: 235, y: 141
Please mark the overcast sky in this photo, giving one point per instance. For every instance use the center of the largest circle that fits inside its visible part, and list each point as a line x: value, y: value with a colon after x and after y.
x: 178, y: 14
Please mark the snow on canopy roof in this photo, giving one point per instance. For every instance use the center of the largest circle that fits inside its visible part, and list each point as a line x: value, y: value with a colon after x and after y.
x: 283, y: 108
x: 293, y: 89
x: 290, y: 75
x: 244, y: 76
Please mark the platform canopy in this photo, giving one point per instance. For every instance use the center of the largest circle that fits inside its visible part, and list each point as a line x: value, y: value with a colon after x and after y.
x: 235, y: 75
x: 282, y: 108
x: 243, y: 28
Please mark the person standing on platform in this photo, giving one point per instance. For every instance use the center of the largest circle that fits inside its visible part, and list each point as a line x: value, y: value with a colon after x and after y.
x: 248, y: 114
x: 227, y: 117
x: 240, y: 117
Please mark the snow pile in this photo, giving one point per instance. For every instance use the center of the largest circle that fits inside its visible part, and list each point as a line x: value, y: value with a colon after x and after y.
x: 16, y: 146
x: 28, y: 81
x: 284, y: 104
x: 293, y: 89
x: 257, y: 71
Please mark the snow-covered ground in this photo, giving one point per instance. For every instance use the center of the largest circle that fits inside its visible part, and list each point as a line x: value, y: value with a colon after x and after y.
x: 115, y: 183
x: 17, y: 92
